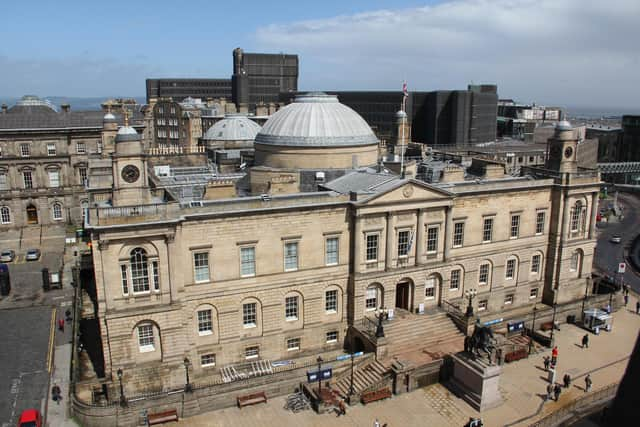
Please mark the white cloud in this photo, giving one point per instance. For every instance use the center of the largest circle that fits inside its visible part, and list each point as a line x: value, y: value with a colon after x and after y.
x: 576, y: 52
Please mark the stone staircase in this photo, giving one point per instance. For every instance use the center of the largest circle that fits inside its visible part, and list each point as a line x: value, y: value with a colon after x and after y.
x: 365, y: 376
x: 410, y: 333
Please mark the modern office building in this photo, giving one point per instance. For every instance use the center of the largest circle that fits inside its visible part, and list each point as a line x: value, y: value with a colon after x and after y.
x: 630, y: 148
x: 179, y: 89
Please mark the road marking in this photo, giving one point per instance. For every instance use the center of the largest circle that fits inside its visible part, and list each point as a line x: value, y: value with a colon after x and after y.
x: 51, y: 336
x: 15, y: 385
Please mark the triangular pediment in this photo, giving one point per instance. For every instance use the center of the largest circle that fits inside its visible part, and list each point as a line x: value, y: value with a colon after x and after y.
x: 409, y: 191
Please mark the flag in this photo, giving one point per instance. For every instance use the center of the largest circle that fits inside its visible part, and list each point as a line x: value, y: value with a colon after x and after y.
x: 405, y: 92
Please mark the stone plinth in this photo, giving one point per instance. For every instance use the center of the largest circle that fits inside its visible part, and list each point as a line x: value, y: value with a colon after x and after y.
x: 476, y: 381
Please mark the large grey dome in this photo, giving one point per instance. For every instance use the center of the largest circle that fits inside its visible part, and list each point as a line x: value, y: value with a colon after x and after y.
x: 316, y: 120
x: 234, y: 127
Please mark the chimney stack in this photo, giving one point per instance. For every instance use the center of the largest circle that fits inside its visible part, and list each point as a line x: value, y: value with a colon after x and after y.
x: 4, y: 108
x: 65, y: 107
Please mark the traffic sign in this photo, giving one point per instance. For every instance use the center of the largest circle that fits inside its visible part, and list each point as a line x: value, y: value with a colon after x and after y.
x: 622, y: 267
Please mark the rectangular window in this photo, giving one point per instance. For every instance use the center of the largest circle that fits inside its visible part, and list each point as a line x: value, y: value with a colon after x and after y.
x: 81, y: 148
x: 511, y: 269
x: 430, y: 288
x: 403, y: 243
x: 539, y: 222
x: 454, y: 283
x: 205, y: 325
x: 487, y: 230
x: 54, y: 179
x: 372, y: 247
x: 332, y: 336
x: 4, y: 183
x: 51, y: 149
x: 515, y: 226
x: 331, y: 251
x: 252, y: 352
x: 291, y: 308
x: 28, y: 180
x: 156, y: 275
x: 533, y: 293
x: 290, y: 256
x: 535, y: 264
x: 201, y: 266
x: 482, y: 305
x: 483, y: 276
x: 293, y: 344
x: 508, y: 300
x: 123, y: 278
x: 371, y: 299
x: 249, y: 315
x: 248, y: 261
x: 331, y: 301
x: 207, y: 360
x: 432, y: 239
x: 25, y: 150
x: 83, y: 175
x: 145, y: 338
x: 458, y: 234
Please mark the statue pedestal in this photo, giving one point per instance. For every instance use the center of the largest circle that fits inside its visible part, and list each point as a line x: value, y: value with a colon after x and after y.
x: 476, y: 381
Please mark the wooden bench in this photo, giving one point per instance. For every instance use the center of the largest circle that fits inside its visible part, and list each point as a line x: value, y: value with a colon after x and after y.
x: 372, y: 396
x: 516, y: 355
x: 546, y: 326
x: 252, y: 399
x: 162, y: 417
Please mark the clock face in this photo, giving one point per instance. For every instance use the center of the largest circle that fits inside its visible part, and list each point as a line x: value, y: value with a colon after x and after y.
x: 568, y: 152
x: 130, y: 173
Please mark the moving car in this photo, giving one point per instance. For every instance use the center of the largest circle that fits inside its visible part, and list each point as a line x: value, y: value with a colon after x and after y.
x: 616, y: 238
x: 32, y: 254
x: 30, y: 418
x: 7, y: 255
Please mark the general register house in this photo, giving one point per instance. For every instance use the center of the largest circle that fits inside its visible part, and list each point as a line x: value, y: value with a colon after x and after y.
x: 289, y: 271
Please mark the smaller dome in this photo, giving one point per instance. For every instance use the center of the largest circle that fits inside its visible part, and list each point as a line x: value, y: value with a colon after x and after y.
x: 109, y: 117
x: 127, y: 133
x: 564, y: 125
x: 234, y: 127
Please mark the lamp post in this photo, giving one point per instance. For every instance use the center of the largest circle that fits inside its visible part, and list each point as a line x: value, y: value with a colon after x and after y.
x: 352, y: 362
x: 533, y: 327
x: 553, y: 320
x: 187, y: 363
x: 123, y: 400
x: 471, y: 294
x: 319, y: 360
x: 379, y: 327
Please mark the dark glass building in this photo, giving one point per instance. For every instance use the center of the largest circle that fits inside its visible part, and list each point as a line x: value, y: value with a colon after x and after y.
x: 179, y: 89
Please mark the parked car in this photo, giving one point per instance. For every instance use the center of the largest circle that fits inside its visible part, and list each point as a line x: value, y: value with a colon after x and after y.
x: 7, y: 255
x: 32, y: 254
x: 616, y: 238
x: 30, y: 418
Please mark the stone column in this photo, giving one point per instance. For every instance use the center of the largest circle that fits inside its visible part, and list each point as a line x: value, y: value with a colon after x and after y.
x: 566, y: 218
x: 448, y: 230
x: 389, y: 240
x: 419, y: 242
x: 594, y: 212
x: 358, y: 256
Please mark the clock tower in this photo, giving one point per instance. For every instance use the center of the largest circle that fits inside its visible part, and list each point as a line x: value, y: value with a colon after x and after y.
x: 562, y: 149
x: 130, y: 184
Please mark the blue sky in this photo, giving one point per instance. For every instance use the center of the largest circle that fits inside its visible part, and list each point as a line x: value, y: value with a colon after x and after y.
x: 547, y: 51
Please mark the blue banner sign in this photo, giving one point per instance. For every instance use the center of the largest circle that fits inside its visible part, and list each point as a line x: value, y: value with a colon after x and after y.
x: 348, y: 356
x: 493, y: 322
x: 515, y: 326
x: 325, y: 374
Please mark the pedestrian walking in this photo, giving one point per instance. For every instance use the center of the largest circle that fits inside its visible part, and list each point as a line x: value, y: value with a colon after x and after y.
x: 546, y: 362
x: 556, y: 391
x: 549, y: 391
x: 588, y: 383
x: 554, y: 356
x: 585, y: 341
x: 56, y: 394
x: 626, y: 299
x: 61, y: 325
x: 342, y: 409
x: 499, y: 356
x: 566, y: 380
x: 638, y: 307
x: 376, y: 423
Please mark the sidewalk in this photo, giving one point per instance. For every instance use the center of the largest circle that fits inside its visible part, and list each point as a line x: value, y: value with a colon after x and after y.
x: 522, y: 385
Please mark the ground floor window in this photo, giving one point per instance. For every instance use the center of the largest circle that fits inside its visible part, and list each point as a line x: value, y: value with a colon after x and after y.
x: 293, y: 344
x: 332, y: 336
x: 371, y: 301
x: 482, y: 305
x: 207, y: 360
x: 145, y: 338
x: 430, y: 287
x: 533, y: 293
x: 508, y: 300
x: 251, y: 352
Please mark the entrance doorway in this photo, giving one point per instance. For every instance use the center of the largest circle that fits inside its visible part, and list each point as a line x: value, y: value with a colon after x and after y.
x: 402, y: 295
x: 32, y: 215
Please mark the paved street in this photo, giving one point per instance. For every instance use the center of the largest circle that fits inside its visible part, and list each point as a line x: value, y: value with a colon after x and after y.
x: 522, y: 387
x: 608, y: 254
x: 24, y: 358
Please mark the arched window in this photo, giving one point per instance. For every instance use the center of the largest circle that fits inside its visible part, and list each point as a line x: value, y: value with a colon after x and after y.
x: 373, y: 297
x: 57, y: 211
x: 575, y: 216
x: 576, y: 261
x: 511, y: 269
x: 5, y: 214
x: 139, y: 270
x: 431, y: 285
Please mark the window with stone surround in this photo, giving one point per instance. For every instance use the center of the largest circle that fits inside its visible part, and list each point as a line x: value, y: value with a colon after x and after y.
x: 432, y: 239
x: 205, y: 322
x: 331, y: 301
x: 535, y: 264
x: 483, y: 304
x: 372, y: 297
x: 510, y: 269
x: 81, y: 148
x: 201, y: 266
x: 483, y: 274
x: 331, y: 251
x: 27, y: 179
x: 293, y: 344
x: 487, y: 230
x: 54, y: 178
x: 454, y: 282
x: 5, y: 214
x: 4, y: 181
x: 291, y: 308
x: 515, y: 226
x: 533, y: 293
x: 508, y: 299
x: 145, y: 338
x: 138, y: 263
x: 403, y: 243
x: 575, y: 216
x: 208, y: 360
x: 51, y: 149
x: 332, y: 337
x: 458, y: 234
x: 252, y: 352
x: 372, y: 247
x: 57, y: 211
x: 248, y: 261
x: 249, y: 315
x: 540, y: 222
x: 25, y: 150
x: 290, y: 256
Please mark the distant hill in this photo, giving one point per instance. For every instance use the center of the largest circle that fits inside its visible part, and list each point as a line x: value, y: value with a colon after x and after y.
x: 77, y: 103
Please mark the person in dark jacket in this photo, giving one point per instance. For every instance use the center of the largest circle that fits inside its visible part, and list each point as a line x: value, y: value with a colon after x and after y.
x: 566, y: 380
x: 585, y: 341
x: 556, y: 391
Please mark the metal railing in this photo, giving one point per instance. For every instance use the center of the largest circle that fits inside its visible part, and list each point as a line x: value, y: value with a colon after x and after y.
x: 369, y: 326
x: 578, y: 407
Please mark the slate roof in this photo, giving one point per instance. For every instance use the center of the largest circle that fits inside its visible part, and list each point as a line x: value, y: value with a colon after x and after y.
x: 362, y: 181
x: 40, y: 117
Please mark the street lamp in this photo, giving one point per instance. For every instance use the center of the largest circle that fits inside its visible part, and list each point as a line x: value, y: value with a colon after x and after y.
x: 319, y: 360
x: 533, y: 327
x: 553, y: 320
x: 379, y: 327
x: 123, y: 400
x: 353, y: 351
x: 471, y: 294
x: 187, y: 363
